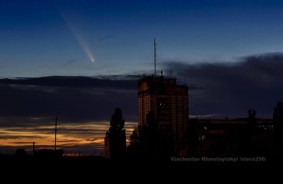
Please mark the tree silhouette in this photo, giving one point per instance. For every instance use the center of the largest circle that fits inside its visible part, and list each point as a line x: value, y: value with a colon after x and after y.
x: 278, y: 118
x: 144, y: 139
x: 117, y: 135
x: 148, y: 136
x: 278, y: 121
x: 251, y: 120
x: 247, y: 146
x: 135, y: 150
x: 149, y: 142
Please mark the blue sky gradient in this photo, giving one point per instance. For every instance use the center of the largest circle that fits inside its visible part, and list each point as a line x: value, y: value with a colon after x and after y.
x: 36, y: 39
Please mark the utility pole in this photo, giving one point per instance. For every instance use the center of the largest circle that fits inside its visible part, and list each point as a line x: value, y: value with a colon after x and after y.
x: 154, y: 56
x: 33, y: 148
x: 55, y: 133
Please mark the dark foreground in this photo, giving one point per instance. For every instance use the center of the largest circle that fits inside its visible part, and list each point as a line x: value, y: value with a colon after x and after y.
x: 96, y: 163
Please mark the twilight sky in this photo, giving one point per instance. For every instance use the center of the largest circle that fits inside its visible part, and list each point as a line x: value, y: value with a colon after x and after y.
x: 227, y: 52
x: 52, y: 37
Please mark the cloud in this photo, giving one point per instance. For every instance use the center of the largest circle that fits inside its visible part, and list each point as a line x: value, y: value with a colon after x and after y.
x: 68, y: 141
x: 231, y: 89
x: 19, y: 137
x: 92, y: 139
x: 74, y: 99
x: 127, y: 82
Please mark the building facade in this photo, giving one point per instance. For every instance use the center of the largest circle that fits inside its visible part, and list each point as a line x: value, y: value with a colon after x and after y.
x: 169, y: 103
x: 231, y: 137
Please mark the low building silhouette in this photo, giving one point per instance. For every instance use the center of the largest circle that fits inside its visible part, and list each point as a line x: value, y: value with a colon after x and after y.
x: 21, y: 152
x: 48, y: 153
x: 235, y: 137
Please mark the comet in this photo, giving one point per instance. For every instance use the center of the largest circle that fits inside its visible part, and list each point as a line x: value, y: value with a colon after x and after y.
x: 84, y: 46
x: 80, y: 39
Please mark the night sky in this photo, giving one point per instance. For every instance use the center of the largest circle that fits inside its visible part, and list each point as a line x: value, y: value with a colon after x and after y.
x: 80, y: 59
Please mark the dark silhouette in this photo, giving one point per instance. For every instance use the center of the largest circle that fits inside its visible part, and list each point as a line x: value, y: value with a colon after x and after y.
x: 150, y: 142
x: 48, y: 154
x: 251, y: 119
x: 21, y: 153
x: 241, y: 137
x: 278, y: 121
x: 115, y: 139
x: 278, y: 118
x: 169, y: 103
x: 148, y: 136
x: 193, y: 138
x: 246, y: 141
x: 135, y: 150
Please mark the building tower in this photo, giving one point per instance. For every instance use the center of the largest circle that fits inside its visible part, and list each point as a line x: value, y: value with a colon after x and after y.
x: 169, y: 103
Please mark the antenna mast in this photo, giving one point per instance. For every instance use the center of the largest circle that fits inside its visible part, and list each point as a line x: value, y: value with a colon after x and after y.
x: 154, y: 57
x: 55, y: 132
x: 33, y: 148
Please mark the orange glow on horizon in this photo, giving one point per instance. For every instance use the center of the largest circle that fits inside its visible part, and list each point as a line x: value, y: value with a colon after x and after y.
x: 68, y: 135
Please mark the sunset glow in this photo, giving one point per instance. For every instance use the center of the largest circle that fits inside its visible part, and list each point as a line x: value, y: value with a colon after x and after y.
x: 69, y: 135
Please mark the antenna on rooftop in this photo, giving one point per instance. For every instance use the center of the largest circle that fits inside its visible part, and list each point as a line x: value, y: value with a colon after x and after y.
x: 154, y: 57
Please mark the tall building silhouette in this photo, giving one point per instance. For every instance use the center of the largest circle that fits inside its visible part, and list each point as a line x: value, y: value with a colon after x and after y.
x: 169, y: 103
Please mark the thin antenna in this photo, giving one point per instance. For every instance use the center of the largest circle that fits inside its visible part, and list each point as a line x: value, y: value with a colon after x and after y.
x: 55, y: 132
x: 154, y: 57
